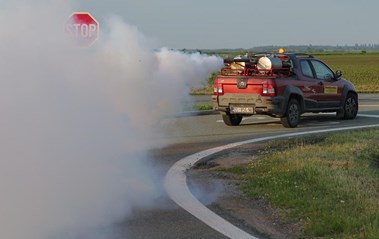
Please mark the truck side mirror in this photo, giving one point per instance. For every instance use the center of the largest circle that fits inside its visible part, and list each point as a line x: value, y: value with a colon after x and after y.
x: 338, y: 74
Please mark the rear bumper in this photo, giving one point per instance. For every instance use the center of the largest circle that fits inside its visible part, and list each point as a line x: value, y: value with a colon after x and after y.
x: 263, y: 105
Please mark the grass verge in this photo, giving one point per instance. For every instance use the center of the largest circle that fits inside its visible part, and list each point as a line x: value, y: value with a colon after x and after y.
x: 327, y: 184
x: 203, y: 107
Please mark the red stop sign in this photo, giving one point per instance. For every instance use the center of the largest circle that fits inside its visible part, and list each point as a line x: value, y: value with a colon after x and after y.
x: 83, y: 27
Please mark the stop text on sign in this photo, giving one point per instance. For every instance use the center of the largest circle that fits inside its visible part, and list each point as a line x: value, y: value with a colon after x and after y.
x: 83, y: 28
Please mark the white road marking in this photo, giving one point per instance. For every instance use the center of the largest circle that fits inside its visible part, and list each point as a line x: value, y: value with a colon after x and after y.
x: 368, y: 105
x: 177, y: 188
x: 264, y: 118
x: 367, y: 115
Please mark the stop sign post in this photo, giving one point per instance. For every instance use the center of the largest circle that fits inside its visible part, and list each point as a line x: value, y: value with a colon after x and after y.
x: 83, y: 27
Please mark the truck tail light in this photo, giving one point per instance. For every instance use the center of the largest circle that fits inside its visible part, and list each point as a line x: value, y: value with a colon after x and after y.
x: 268, y: 90
x: 217, y: 88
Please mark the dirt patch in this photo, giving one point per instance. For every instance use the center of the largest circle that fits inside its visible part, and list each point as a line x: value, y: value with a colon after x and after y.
x: 220, y: 192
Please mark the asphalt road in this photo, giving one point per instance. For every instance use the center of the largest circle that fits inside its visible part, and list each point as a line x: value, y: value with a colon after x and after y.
x: 191, y: 134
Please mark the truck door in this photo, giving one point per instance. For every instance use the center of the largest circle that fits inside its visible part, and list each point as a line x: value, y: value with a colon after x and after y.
x: 330, y: 89
x: 309, y: 85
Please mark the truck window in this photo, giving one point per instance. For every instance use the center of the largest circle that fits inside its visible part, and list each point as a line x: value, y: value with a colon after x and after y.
x: 306, y: 68
x: 322, y: 71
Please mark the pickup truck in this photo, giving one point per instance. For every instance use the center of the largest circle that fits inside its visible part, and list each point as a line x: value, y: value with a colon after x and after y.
x: 283, y: 86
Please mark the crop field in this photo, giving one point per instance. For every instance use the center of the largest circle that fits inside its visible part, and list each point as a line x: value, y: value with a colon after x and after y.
x: 361, y: 69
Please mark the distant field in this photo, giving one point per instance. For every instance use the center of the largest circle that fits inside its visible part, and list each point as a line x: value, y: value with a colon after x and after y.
x: 361, y: 69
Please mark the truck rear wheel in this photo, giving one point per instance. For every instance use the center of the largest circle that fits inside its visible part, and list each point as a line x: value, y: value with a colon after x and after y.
x: 231, y: 119
x: 292, y: 117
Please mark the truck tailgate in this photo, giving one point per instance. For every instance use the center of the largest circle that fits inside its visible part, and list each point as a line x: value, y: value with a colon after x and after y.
x: 242, y: 90
x: 243, y: 85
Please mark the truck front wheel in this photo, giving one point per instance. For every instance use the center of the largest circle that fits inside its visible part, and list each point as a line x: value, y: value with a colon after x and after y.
x: 350, y: 108
x: 231, y: 119
x: 292, y: 116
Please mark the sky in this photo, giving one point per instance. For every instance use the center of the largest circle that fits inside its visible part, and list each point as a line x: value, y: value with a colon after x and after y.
x: 214, y: 24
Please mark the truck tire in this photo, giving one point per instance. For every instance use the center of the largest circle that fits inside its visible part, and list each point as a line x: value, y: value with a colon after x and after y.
x: 292, y: 116
x: 350, y: 107
x: 231, y: 119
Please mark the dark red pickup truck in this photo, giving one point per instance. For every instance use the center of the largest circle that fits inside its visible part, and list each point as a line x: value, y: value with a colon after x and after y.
x: 281, y: 85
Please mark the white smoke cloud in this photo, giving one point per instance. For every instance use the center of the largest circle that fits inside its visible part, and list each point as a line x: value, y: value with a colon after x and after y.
x: 76, y: 124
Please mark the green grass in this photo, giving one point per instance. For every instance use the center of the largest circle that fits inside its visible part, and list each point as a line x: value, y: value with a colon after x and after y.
x: 208, y: 89
x: 329, y: 185
x: 203, y: 107
x: 189, y: 106
x: 205, y: 91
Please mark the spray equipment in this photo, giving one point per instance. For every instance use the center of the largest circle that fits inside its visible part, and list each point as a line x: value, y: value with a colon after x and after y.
x: 257, y: 64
